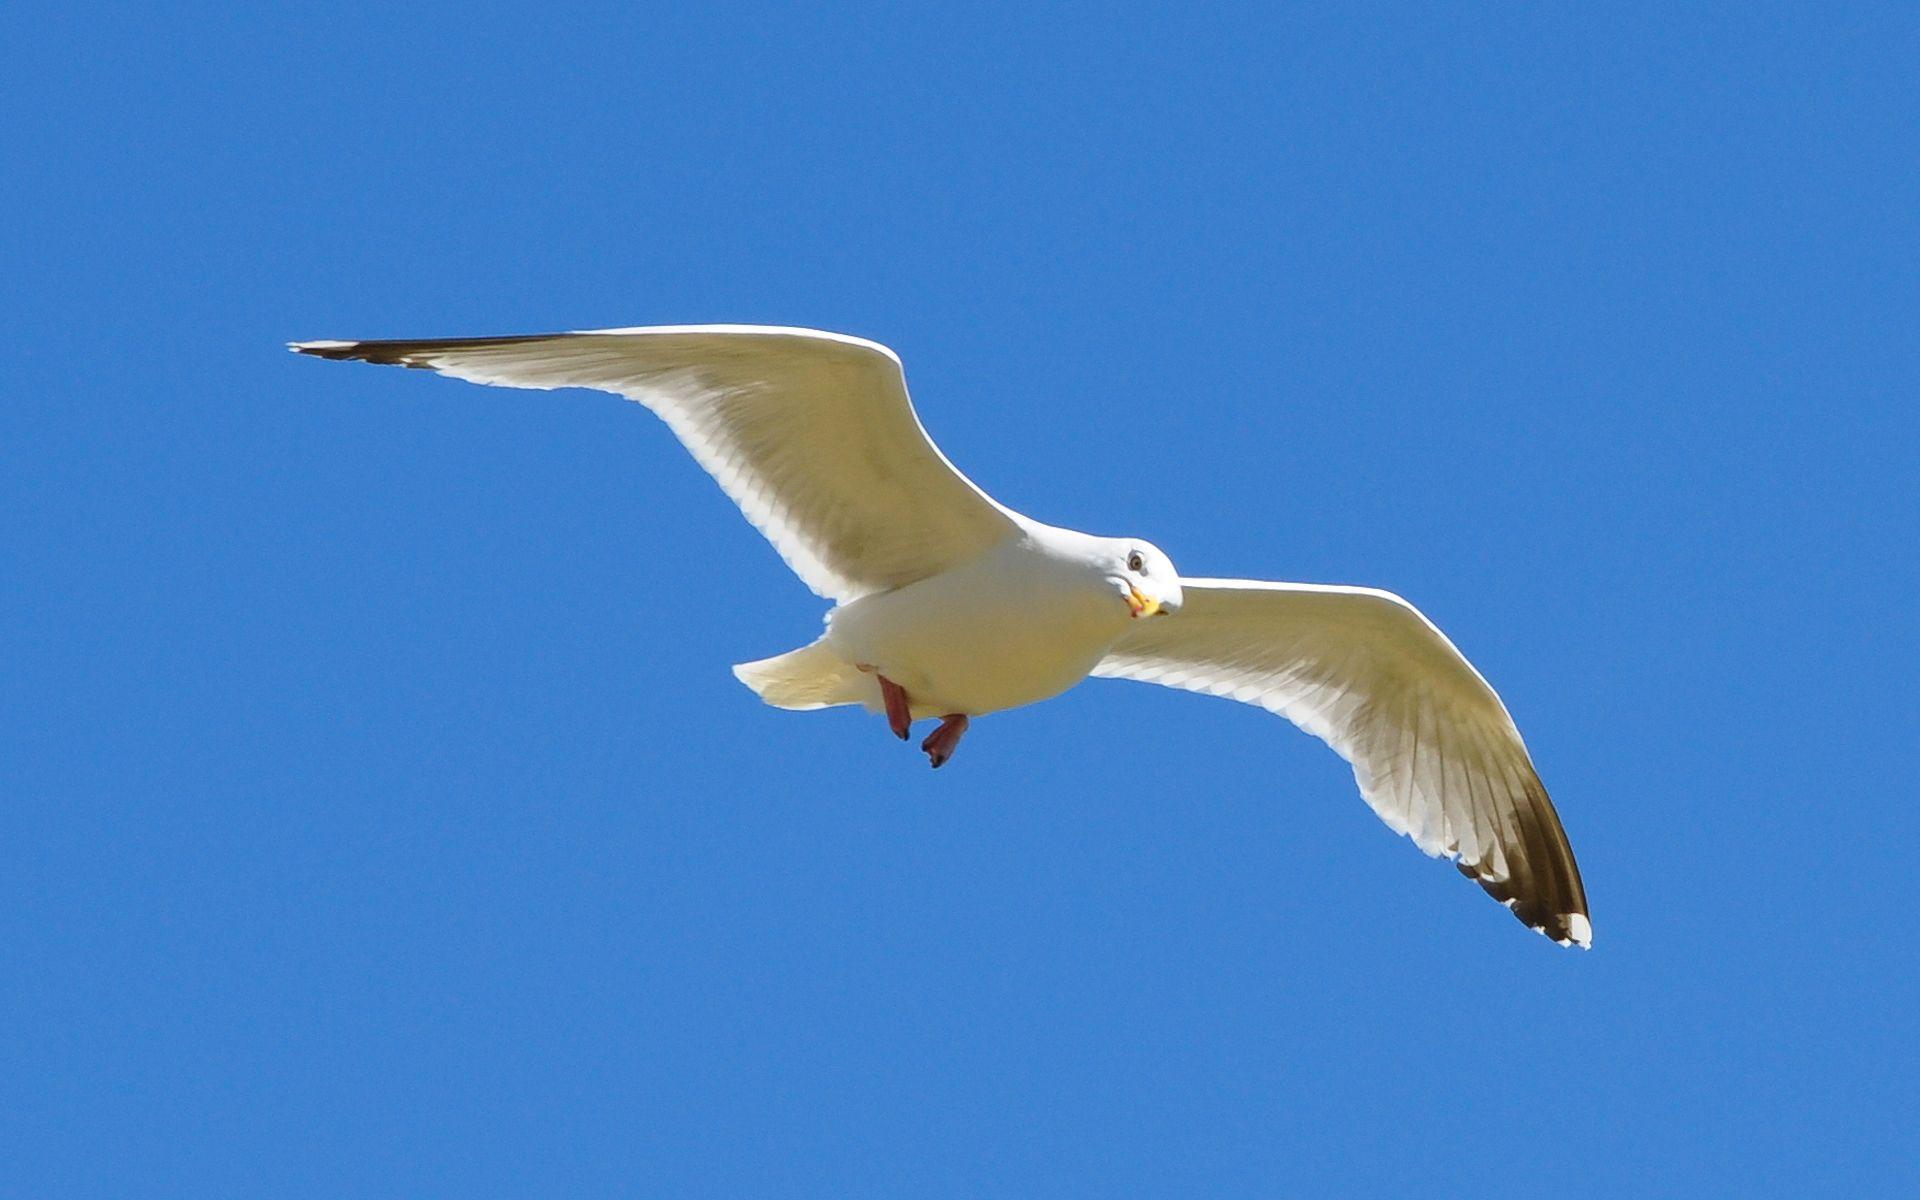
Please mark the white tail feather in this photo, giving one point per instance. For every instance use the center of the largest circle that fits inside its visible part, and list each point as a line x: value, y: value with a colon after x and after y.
x: 811, y: 677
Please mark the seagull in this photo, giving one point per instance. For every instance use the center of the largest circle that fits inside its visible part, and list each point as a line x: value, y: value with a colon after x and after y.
x: 950, y: 605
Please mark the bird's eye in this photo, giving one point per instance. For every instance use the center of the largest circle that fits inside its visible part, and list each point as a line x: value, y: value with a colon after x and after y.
x: 1136, y: 562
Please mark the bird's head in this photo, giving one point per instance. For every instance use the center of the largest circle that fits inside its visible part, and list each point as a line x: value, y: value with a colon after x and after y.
x: 1144, y: 577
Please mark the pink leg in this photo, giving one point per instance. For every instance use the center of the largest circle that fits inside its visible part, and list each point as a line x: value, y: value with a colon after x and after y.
x: 899, y: 719
x: 942, y: 742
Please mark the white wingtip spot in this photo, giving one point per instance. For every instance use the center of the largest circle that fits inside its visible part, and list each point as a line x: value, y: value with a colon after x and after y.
x: 1581, y: 931
x: 322, y: 344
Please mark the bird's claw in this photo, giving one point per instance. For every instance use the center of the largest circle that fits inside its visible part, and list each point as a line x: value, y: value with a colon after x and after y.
x: 942, y: 742
x: 899, y: 715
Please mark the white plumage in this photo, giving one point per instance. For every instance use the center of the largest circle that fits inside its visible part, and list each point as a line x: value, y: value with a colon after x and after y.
x: 961, y: 606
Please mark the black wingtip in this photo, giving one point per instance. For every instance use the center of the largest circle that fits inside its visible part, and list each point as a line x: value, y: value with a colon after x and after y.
x: 407, y: 353
x: 1568, y: 928
x: 392, y: 354
x: 326, y: 349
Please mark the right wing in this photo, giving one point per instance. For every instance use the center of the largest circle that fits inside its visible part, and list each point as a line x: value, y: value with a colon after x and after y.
x: 810, y: 433
x: 1432, y: 747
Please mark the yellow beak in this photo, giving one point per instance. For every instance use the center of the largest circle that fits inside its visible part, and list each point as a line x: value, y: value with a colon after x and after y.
x: 1142, y: 607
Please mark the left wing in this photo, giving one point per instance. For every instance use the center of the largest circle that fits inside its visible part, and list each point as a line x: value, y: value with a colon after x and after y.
x: 810, y: 433
x: 1432, y: 747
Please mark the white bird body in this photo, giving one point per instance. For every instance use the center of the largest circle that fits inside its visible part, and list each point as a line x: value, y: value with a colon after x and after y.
x: 1022, y: 623
x: 949, y: 604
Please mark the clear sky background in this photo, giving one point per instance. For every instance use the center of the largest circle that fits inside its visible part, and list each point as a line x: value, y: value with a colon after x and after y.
x: 380, y: 816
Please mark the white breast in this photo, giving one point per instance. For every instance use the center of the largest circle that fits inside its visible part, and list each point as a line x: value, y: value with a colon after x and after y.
x: 1018, y: 625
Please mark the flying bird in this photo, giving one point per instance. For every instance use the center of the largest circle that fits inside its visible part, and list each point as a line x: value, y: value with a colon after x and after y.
x: 950, y: 605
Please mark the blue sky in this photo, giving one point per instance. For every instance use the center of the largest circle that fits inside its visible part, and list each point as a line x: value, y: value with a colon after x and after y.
x: 382, y: 819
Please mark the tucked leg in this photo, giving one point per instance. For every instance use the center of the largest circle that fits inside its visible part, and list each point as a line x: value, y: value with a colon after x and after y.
x: 942, y: 742
x: 898, y: 718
